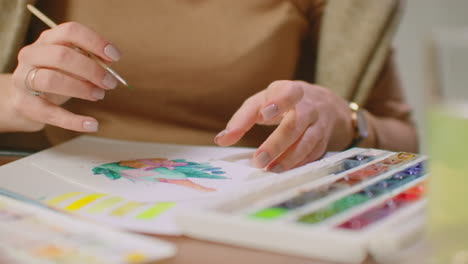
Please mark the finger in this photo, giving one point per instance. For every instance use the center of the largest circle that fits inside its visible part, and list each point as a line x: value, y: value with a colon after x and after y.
x: 42, y: 111
x: 286, y: 134
x: 309, y: 147
x: 51, y: 81
x: 266, y: 107
x: 68, y: 60
x: 317, y: 153
x: 241, y: 122
x: 78, y: 35
x: 281, y: 96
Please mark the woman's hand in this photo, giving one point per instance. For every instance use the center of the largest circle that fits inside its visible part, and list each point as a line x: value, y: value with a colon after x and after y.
x: 57, y: 68
x: 310, y: 119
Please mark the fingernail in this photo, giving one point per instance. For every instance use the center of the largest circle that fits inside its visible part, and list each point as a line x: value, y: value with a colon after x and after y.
x: 98, y: 93
x: 263, y: 159
x: 277, y: 168
x: 109, y: 81
x: 112, y: 52
x: 90, y: 126
x: 220, y: 135
x: 269, y: 111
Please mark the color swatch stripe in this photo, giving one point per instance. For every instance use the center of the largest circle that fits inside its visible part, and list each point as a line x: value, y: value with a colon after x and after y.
x: 76, y: 205
x: 55, y: 201
x: 104, y: 204
x: 126, y: 208
x: 155, y: 210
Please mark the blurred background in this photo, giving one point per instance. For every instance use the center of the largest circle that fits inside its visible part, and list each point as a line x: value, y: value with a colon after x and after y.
x: 432, y: 55
x: 421, y: 18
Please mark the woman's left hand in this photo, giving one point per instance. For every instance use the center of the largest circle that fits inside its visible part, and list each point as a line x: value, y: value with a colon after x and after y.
x: 311, y: 120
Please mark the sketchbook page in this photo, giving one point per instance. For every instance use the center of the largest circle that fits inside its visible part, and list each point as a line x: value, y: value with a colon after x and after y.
x: 30, y: 234
x: 82, y: 177
x: 146, y: 171
x: 135, y: 185
x: 24, y: 182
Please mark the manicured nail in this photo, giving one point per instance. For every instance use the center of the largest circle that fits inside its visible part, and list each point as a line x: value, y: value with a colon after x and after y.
x: 112, y: 52
x: 263, y: 159
x: 269, y: 112
x: 109, y: 81
x: 90, y: 126
x: 277, y: 168
x: 98, y: 93
x: 219, y: 136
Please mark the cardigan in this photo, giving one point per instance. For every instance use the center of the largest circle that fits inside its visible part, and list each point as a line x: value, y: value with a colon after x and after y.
x: 354, y: 40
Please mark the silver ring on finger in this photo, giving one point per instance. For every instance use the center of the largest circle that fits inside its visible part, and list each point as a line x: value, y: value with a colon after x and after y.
x: 29, y: 82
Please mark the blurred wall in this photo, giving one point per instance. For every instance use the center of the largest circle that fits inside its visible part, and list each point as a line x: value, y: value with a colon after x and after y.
x: 420, y: 18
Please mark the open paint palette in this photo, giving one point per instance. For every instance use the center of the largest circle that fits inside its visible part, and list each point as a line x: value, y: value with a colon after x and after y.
x: 343, y: 208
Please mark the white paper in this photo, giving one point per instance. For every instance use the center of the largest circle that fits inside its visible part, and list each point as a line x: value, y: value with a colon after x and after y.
x: 31, y: 234
x: 68, y: 169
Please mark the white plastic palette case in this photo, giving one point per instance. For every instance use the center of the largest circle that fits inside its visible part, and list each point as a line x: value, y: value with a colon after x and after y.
x: 344, y: 208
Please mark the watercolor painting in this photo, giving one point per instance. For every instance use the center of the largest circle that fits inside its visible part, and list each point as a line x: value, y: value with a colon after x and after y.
x: 176, y: 171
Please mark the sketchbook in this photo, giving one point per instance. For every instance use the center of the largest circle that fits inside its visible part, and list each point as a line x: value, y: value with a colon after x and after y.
x: 131, y: 185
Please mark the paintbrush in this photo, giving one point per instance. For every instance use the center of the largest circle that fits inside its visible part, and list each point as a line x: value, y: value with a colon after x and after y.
x: 52, y: 24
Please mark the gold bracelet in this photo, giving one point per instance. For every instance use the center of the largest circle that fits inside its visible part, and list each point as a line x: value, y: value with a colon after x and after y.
x: 358, y: 123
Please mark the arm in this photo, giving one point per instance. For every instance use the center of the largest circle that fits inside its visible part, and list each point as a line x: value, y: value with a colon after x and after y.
x: 10, y: 121
x: 312, y: 119
x: 57, y: 71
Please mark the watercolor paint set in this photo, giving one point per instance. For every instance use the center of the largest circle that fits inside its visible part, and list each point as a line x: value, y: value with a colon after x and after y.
x: 344, y: 208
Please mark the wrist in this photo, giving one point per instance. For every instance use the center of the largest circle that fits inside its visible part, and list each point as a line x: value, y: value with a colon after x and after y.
x: 11, y: 120
x: 6, y: 110
x: 359, y: 125
x: 371, y: 140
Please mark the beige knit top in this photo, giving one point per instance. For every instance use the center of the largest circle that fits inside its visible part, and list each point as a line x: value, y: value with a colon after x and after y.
x: 193, y: 62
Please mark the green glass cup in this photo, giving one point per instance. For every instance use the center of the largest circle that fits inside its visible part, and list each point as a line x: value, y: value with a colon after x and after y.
x: 447, y: 223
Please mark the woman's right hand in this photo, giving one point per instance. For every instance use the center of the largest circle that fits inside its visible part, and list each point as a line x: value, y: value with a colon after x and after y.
x: 64, y: 71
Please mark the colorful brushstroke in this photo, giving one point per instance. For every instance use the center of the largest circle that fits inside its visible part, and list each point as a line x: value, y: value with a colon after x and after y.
x: 366, y: 173
x: 155, y: 210
x: 114, y: 206
x: 177, y: 171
